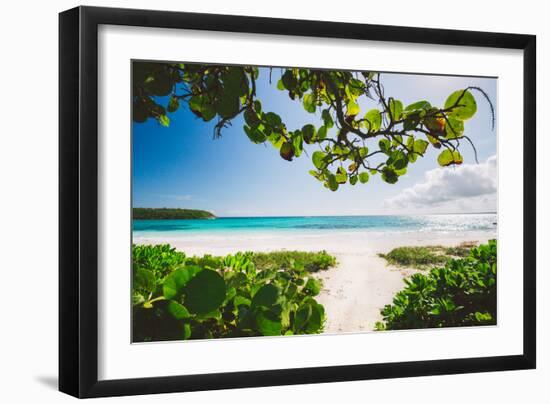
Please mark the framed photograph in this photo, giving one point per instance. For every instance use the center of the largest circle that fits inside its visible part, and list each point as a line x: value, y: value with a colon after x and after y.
x: 251, y: 201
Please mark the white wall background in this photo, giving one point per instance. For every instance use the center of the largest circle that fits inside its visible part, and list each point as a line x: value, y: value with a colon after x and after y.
x: 28, y: 202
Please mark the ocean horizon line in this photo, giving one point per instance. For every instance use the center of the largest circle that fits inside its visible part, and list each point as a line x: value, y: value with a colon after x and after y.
x: 352, y: 215
x: 450, y: 222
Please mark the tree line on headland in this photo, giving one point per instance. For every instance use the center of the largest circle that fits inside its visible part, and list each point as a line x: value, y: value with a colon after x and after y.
x: 170, y: 213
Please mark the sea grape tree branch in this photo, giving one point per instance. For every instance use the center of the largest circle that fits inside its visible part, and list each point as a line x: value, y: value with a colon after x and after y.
x: 353, y: 144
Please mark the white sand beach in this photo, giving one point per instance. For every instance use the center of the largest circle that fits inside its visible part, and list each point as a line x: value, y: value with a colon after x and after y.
x: 358, y: 287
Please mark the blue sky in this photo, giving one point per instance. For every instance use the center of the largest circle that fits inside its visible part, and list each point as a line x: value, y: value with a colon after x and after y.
x: 183, y: 166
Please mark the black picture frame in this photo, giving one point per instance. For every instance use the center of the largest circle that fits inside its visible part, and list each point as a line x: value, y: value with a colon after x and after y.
x: 78, y: 201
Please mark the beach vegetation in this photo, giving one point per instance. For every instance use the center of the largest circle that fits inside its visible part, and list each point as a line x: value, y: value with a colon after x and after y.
x: 170, y: 213
x: 176, y: 297
x: 351, y: 145
x: 425, y: 257
x: 461, y: 250
x: 283, y: 260
x: 460, y: 293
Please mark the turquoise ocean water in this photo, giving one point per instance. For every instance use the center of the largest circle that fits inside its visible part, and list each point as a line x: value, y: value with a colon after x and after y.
x: 418, y: 223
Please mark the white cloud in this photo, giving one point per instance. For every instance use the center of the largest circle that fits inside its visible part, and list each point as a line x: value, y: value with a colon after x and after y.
x: 465, y: 188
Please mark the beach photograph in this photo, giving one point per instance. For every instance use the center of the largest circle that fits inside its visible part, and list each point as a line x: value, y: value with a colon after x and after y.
x: 282, y: 201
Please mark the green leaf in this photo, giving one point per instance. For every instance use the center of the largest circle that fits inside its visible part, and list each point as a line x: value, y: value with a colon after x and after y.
x: 161, y: 84
x: 137, y: 298
x: 297, y: 142
x: 355, y: 87
x: 144, y: 279
x: 308, y: 132
x: 186, y: 331
x: 411, y: 122
x: 373, y: 120
x: 257, y: 106
x: 276, y: 140
x: 228, y: 106
x: 384, y: 145
x: 315, y: 320
x: 448, y: 157
x: 241, y: 301
x: 483, y: 317
x: 177, y: 310
x: 208, y: 112
x: 288, y: 79
x: 327, y: 118
x: 205, y: 292
x: 341, y: 177
x: 396, y: 108
x: 287, y: 151
x: 465, y: 103
x: 454, y: 128
x: 195, y: 103
x: 173, y: 104
x: 273, y: 119
x: 420, y: 146
x: 322, y: 133
x: 434, y: 141
x: 400, y: 163
x: 353, y: 108
x: 397, y: 140
x: 410, y: 142
x: 230, y: 294
x: 164, y: 120
x: 285, y: 315
x: 318, y: 158
x: 214, y: 314
x: 353, y: 179
x: 332, y: 182
x: 177, y: 279
x: 266, y: 296
x: 389, y: 175
x: 251, y: 117
x: 254, y: 134
x: 235, y: 81
x: 419, y: 105
x: 268, y: 323
x: 309, y: 103
x: 401, y: 171
x: 301, y: 317
x: 364, y: 177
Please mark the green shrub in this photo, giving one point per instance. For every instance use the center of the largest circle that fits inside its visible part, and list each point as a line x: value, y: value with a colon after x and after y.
x: 157, y: 258
x: 177, y: 297
x: 414, y: 256
x: 426, y: 257
x: 309, y: 261
x: 462, y: 250
x: 462, y: 293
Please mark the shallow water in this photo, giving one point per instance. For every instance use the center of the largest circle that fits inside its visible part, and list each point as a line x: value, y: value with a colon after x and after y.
x: 312, y: 224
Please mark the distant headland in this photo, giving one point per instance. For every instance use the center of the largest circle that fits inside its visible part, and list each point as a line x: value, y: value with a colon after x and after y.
x: 170, y: 213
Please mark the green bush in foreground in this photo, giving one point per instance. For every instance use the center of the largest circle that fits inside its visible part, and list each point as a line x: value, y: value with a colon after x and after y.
x: 159, y: 259
x: 177, y: 297
x: 462, y: 293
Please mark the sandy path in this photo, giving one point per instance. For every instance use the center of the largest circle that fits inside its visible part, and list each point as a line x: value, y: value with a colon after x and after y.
x: 355, y: 291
